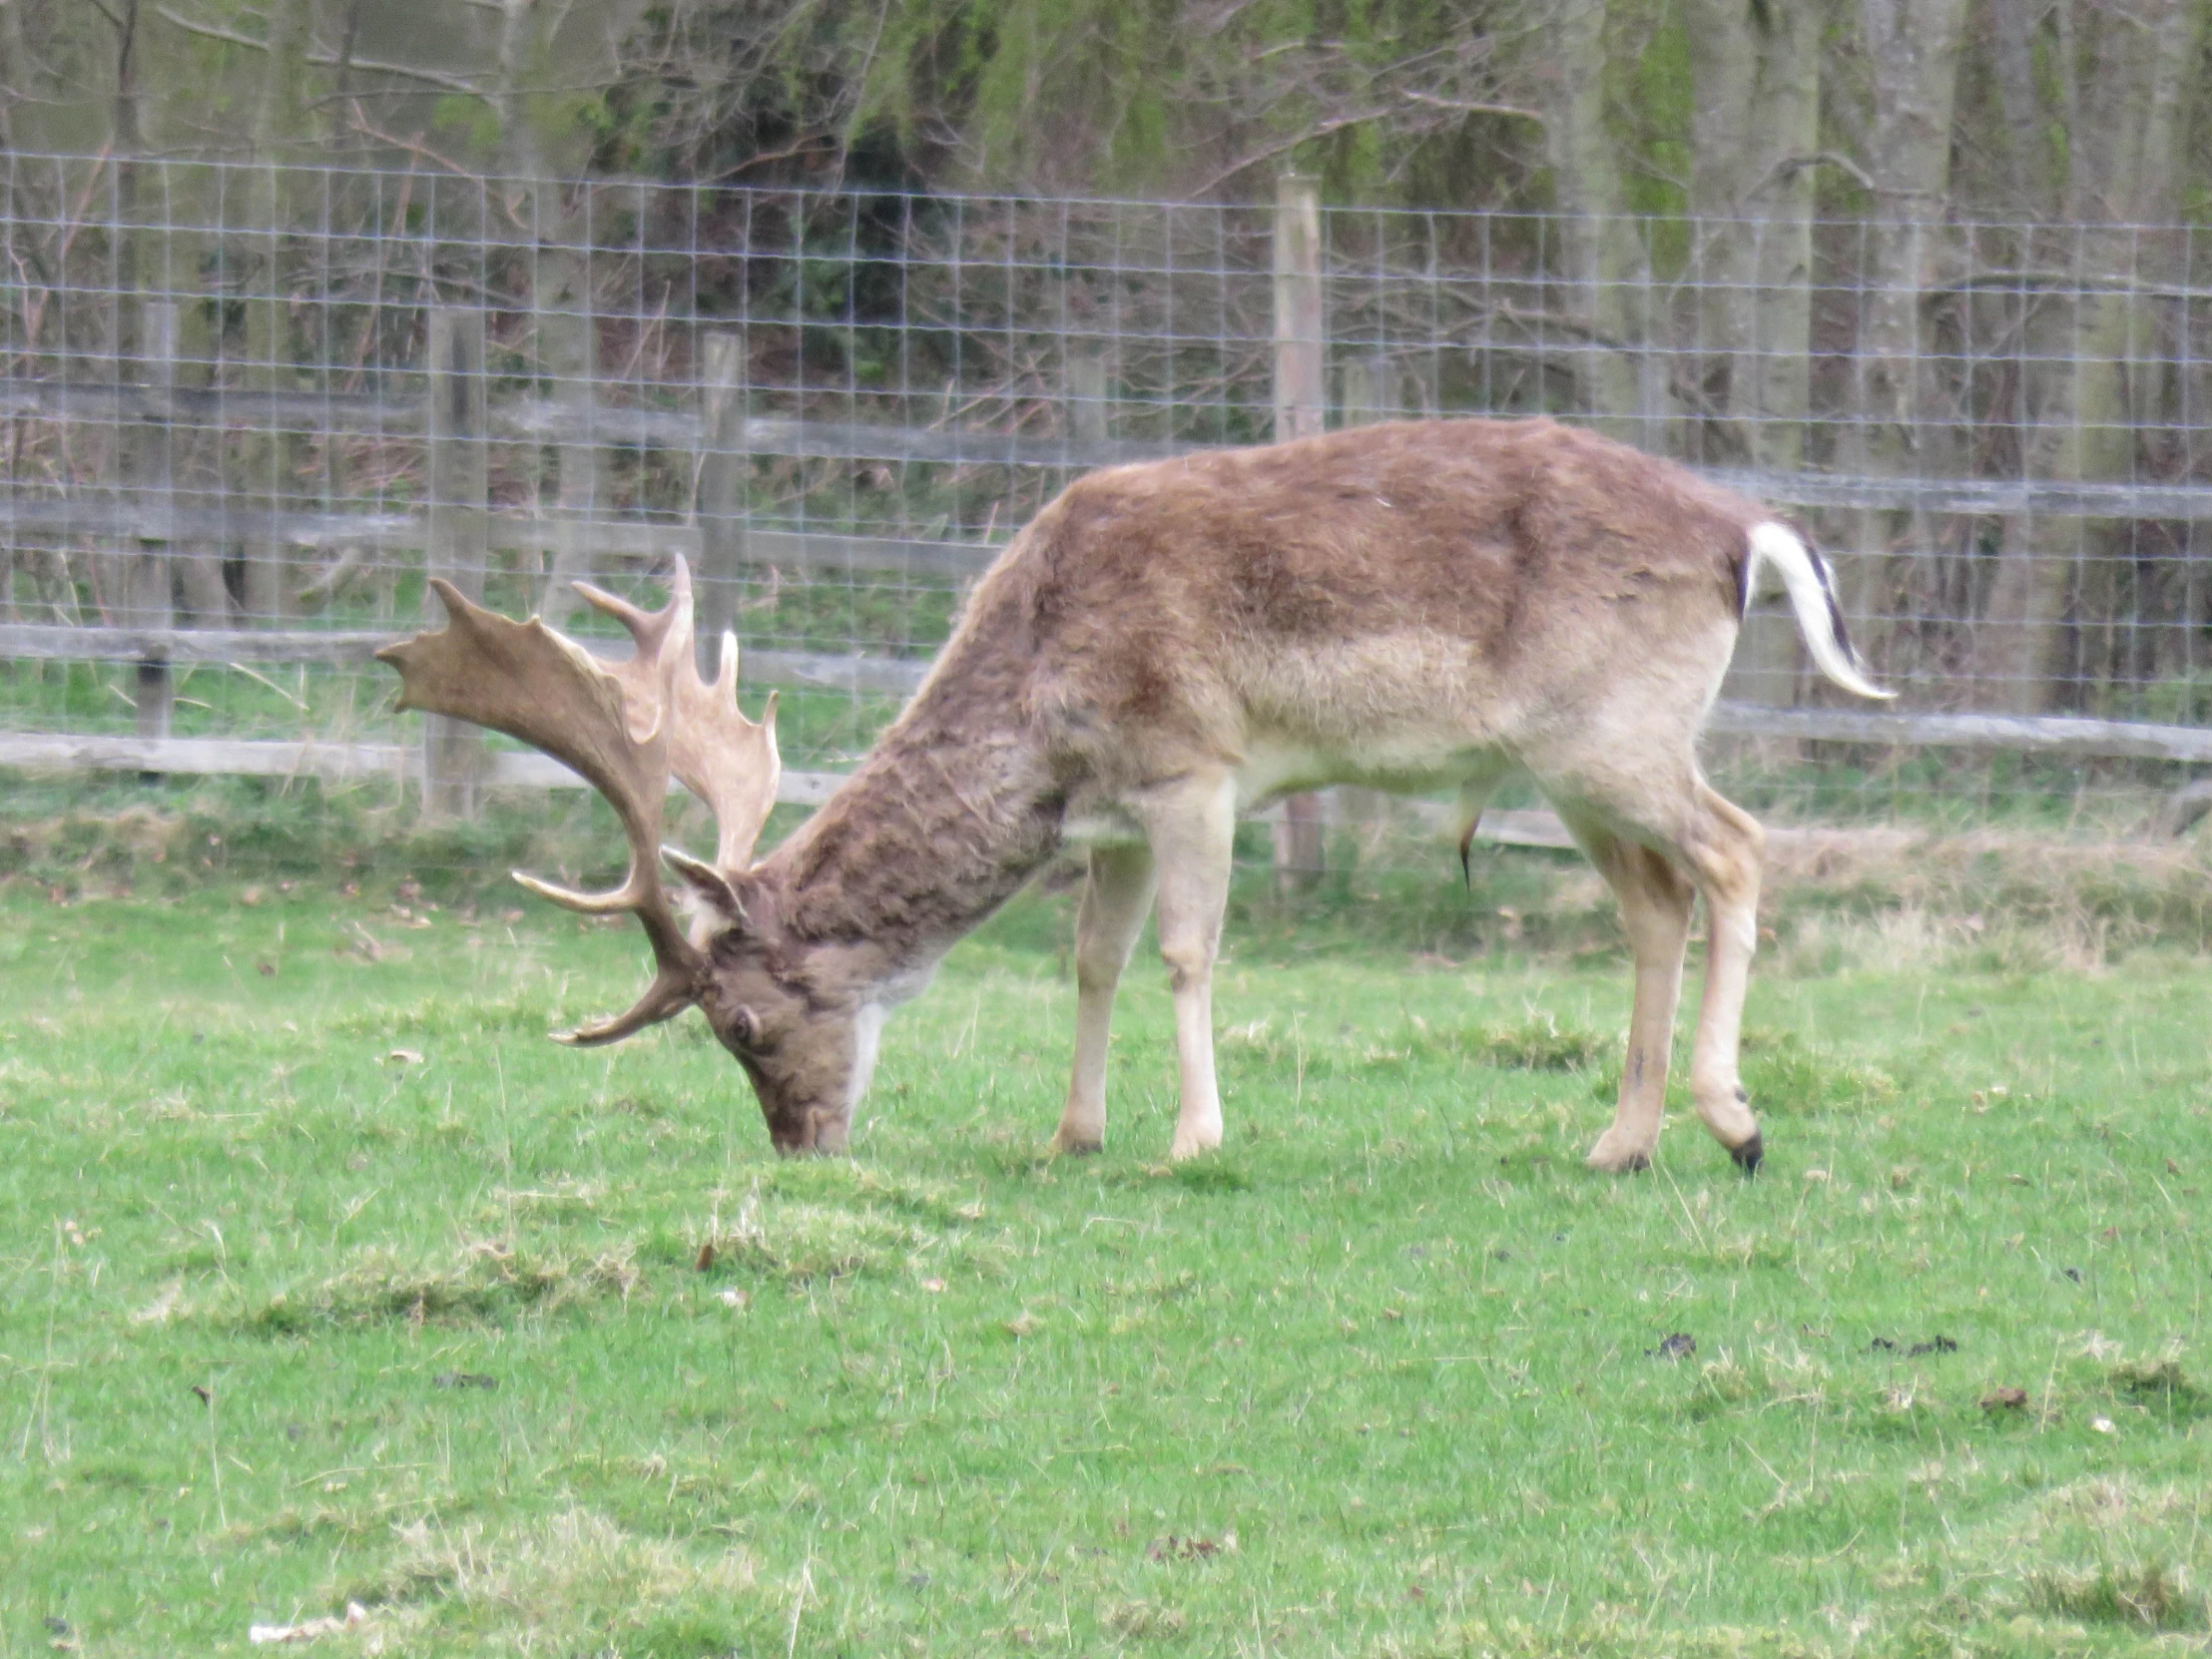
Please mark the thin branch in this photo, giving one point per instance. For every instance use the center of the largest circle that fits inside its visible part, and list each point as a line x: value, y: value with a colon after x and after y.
x: 1270, y: 152
x: 1469, y: 106
x: 211, y: 31
x: 413, y: 147
x: 1788, y: 165
x: 327, y: 60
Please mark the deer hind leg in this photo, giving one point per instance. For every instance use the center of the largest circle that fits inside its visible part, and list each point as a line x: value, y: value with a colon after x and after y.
x: 1192, y: 824
x: 1724, y: 849
x: 1655, y: 900
x: 1115, y: 900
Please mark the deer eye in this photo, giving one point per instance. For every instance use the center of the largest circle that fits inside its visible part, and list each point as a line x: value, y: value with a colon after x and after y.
x: 745, y: 1029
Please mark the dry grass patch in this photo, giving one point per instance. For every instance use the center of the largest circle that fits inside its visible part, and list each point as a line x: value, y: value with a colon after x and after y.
x: 574, y: 1582
x: 486, y: 1281
x: 1995, y: 900
x: 2104, y: 1551
x: 831, y: 1219
x: 2163, y: 1386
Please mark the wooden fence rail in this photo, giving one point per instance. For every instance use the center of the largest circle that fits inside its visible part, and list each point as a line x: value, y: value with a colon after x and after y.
x: 548, y: 420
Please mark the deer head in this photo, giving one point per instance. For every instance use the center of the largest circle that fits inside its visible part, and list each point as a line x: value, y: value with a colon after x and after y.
x: 627, y: 728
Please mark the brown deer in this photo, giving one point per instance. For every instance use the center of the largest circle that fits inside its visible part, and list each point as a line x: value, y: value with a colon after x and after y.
x: 1411, y: 607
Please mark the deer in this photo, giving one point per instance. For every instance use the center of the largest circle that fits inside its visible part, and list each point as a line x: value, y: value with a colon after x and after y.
x: 1423, y: 607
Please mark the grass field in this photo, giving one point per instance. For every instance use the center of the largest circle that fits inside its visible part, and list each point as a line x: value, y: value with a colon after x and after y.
x: 323, y: 1277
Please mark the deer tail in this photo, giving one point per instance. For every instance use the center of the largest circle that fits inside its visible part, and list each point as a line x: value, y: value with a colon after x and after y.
x: 1812, y: 589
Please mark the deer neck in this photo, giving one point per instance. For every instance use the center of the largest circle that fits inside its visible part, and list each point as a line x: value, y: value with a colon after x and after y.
x: 950, y: 813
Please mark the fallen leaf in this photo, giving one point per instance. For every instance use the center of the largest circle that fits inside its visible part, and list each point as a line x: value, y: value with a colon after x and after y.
x: 706, y: 1256
x: 932, y: 1286
x: 463, y: 1380
x: 1680, y: 1346
x: 2004, y: 1400
x: 2103, y: 1425
x: 733, y: 1298
x: 404, y: 1057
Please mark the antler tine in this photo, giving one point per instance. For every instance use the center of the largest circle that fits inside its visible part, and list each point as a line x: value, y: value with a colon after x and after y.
x: 727, y: 760
x: 526, y: 680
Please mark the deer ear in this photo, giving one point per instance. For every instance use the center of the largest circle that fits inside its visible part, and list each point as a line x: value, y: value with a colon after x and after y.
x: 710, y: 884
x: 745, y: 1028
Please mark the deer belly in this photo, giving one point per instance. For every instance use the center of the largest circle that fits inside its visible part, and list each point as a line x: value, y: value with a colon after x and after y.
x: 1402, y: 763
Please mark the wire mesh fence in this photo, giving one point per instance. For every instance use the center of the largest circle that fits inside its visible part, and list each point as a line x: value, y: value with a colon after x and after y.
x: 251, y: 408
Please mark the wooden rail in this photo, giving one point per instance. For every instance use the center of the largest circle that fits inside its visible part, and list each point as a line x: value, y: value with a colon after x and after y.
x: 549, y: 420
x: 330, y: 762
x: 899, y: 677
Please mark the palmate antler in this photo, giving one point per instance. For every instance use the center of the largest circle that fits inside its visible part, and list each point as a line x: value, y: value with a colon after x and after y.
x: 625, y: 726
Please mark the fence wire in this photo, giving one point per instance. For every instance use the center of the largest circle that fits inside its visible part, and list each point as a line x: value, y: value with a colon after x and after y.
x: 235, y: 452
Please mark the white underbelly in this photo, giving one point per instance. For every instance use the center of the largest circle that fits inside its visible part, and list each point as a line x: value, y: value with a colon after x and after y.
x: 1272, y: 770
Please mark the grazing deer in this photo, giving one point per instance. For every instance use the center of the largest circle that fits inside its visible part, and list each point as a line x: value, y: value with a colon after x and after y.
x: 1411, y: 606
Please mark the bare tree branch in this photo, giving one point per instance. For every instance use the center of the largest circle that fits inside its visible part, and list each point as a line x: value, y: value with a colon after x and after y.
x: 327, y: 60
x: 1471, y: 106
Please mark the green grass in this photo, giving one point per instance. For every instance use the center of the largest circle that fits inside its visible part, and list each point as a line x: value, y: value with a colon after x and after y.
x: 324, y: 1276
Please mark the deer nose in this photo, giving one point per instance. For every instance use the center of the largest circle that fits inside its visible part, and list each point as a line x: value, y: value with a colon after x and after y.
x: 823, y: 1129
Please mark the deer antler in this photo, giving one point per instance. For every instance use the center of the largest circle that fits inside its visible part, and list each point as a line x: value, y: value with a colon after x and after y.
x: 623, y: 726
x: 727, y: 760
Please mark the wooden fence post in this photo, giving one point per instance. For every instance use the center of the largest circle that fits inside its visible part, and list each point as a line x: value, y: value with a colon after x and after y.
x: 150, y: 594
x: 723, y: 466
x: 568, y: 345
x: 458, y: 535
x: 1301, y: 410
x: 271, y: 457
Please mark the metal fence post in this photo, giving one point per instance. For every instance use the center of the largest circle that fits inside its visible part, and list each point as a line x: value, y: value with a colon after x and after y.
x: 457, y: 534
x: 151, y: 602
x: 722, y: 465
x: 1301, y: 410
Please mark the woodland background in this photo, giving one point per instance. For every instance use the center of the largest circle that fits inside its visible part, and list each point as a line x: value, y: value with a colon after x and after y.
x: 1939, y: 239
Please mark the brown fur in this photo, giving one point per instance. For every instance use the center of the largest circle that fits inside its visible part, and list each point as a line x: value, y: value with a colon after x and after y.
x: 1401, y: 604
x: 1416, y: 606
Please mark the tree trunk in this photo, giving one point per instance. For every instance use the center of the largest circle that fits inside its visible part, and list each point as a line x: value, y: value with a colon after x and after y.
x: 559, y: 282
x: 271, y: 461
x: 2125, y: 156
x: 1756, y: 125
x: 1599, y: 252
x: 1912, y: 52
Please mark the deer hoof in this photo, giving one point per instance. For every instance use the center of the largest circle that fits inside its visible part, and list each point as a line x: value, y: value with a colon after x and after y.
x: 1065, y: 1145
x: 1751, y: 1154
x: 1193, y: 1145
x: 1618, y: 1160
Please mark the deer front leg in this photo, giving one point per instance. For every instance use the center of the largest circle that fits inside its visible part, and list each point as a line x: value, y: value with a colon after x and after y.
x: 1726, y: 849
x: 1655, y: 909
x: 1115, y: 899
x: 1192, y: 824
